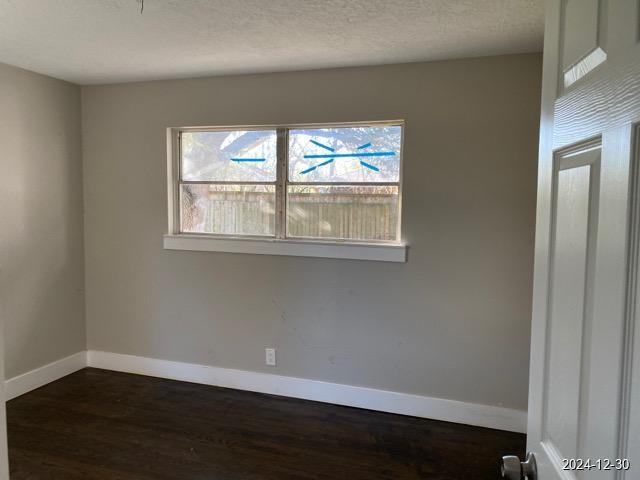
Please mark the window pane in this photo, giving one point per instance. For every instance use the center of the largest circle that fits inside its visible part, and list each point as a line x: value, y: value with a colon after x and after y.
x: 350, y: 213
x: 353, y: 154
x: 228, y: 209
x: 245, y: 156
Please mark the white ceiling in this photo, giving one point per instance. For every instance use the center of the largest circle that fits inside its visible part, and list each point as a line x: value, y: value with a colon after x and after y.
x: 107, y: 41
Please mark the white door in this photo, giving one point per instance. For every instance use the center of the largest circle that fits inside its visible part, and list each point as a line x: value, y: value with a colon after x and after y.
x: 584, y: 398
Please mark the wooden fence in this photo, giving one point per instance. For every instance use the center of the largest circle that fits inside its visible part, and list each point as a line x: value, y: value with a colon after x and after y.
x: 343, y: 215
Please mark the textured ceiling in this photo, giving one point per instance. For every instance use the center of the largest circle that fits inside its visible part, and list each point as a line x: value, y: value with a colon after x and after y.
x: 106, y: 41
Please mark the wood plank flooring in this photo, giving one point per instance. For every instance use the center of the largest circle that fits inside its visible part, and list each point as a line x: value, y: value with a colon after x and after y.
x: 97, y: 424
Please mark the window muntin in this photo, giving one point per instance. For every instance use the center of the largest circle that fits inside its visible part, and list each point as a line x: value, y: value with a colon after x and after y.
x: 339, y: 183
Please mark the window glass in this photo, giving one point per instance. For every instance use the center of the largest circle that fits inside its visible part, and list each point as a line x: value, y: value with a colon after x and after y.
x: 228, y: 209
x: 345, y: 154
x: 343, y: 212
x: 339, y: 183
x: 240, y: 155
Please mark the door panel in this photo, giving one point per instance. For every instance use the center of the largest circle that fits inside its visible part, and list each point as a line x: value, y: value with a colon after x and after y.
x: 584, y: 402
x: 570, y: 314
x: 582, y: 49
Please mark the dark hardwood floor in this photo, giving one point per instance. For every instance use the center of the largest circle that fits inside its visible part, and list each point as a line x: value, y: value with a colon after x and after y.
x: 97, y: 424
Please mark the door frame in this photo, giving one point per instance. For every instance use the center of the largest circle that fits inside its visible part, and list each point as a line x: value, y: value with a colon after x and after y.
x: 4, y: 448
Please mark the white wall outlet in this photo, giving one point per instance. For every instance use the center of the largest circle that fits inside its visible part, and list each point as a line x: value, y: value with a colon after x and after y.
x: 270, y: 356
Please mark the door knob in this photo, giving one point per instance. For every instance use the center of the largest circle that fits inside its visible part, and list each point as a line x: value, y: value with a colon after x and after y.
x: 512, y: 468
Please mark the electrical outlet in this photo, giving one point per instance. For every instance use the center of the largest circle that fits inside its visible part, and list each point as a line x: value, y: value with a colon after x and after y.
x: 270, y: 356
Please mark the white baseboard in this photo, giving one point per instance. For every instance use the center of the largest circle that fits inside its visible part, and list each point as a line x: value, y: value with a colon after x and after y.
x: 16, y: 386
x: 386, y: 401
x: 381, y: 400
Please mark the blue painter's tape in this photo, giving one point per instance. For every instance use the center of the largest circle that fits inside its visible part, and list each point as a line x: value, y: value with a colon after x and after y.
x: 322, y: 145
x: 369, y: 166
x: 325, y: 163
x: 311, y: 169
x: 364, y: 146
x: 248, y: 159
x: 353, y: 155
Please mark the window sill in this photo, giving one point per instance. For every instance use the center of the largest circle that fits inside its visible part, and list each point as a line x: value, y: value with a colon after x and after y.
x: 295, y: 248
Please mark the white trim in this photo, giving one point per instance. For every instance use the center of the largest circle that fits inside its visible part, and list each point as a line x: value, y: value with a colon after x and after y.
x: 500, y: 418
x: 173, y: 187
x: 296, y: 248
x: 291, y: 126
x: 386, y: 401
x: 16, y: 386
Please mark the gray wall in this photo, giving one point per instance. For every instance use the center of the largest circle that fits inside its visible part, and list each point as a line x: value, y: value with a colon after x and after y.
x: 41, y: 231
x: 453, y: 322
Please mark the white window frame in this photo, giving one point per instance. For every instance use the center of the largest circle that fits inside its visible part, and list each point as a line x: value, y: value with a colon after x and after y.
x: 280, y: 244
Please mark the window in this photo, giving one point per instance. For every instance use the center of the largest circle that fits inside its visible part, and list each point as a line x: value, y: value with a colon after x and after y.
x: 228, y: 182
x: 334, y: 185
